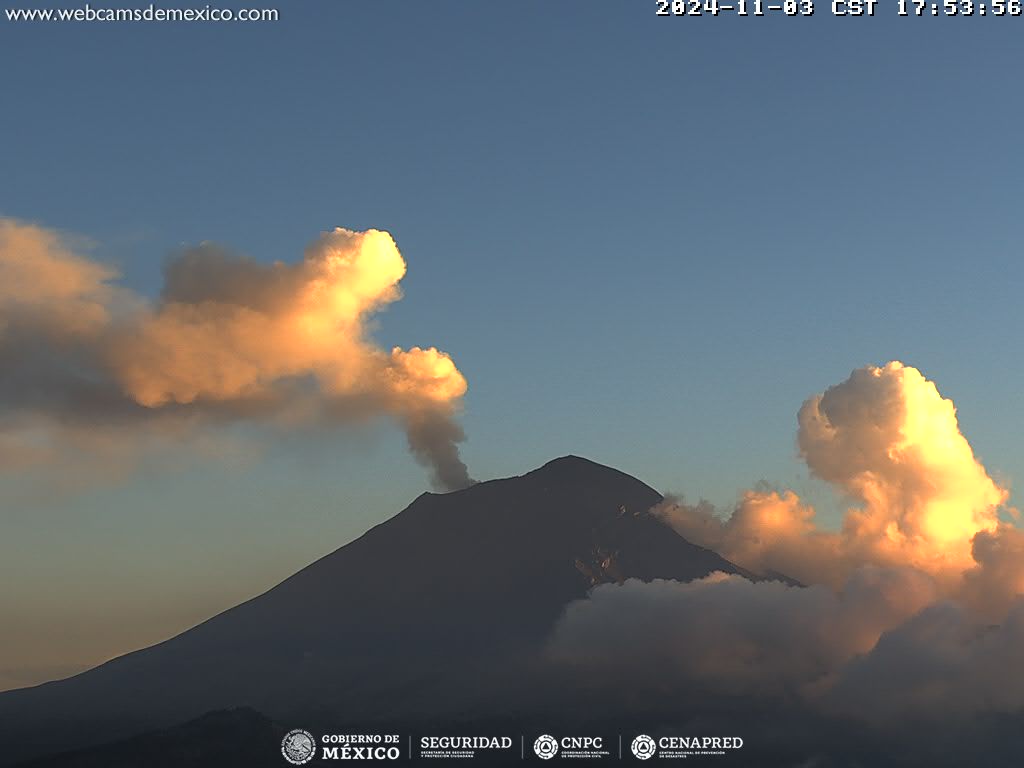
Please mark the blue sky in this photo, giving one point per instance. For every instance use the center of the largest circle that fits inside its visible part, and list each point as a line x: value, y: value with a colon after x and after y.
x: 643, y: 240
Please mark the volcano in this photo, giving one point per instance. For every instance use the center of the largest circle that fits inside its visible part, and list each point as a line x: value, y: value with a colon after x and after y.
x: 434, y: 613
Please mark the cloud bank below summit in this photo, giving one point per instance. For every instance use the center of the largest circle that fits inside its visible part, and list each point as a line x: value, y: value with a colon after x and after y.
x: 912, y: 608
x: 85, y: 361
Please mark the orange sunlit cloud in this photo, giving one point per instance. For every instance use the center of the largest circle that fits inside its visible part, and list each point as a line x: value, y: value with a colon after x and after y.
x: 886, y: 439
x: 229, y: 337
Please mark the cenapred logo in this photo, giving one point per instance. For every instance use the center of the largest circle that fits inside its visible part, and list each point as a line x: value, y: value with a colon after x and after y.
x: 546, y: 747
x: 298, y: 746
x: 643, y: 747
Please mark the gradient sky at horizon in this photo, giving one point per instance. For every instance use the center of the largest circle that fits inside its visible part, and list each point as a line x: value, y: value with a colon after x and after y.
x: 643, y: 240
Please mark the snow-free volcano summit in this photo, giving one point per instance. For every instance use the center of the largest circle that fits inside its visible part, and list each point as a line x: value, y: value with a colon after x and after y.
x: 442, y: 611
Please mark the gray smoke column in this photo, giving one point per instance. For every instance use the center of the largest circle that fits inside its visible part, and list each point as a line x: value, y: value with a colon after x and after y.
x: 433, y: 439
x: 230, y: 339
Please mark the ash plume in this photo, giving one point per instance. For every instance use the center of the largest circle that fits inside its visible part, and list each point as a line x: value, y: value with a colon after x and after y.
x: 229, y: 339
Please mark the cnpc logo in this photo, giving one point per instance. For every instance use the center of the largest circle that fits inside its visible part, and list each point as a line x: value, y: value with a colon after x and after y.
x: 548, y: 746
x: 545, y: 747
